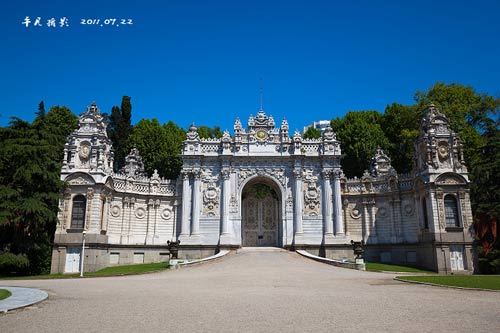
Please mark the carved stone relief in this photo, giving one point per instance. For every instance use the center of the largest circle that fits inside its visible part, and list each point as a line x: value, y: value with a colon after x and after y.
x: 210, y: 193
x: 140, y: 213
x: 312, y: 196
x: 166, y: 214
x: 277, y: 173
x: 115, y: 210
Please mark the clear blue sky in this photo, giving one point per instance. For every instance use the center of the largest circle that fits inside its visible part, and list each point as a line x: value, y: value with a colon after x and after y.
x: 202, y: 60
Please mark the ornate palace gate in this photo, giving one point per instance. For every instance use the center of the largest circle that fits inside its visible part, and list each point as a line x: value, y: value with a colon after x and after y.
x: 260, y: 216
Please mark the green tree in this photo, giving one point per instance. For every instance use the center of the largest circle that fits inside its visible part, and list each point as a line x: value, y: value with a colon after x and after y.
x: 312, y: 133
x: 41, y: 111
x: 119, y: 130
x: 360, y: 133
x: 400, y: 124
x: 160, y: 146
x: 485, y: 195
x: 175, y: 136
x: 30, y: 166
x: 467, y: 111
x: 206, y: 132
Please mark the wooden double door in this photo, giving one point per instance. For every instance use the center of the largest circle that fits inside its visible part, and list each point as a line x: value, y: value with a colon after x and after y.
x: 260, y: 216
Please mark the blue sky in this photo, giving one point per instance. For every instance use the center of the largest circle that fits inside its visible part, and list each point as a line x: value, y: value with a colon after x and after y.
x: 202, y: 61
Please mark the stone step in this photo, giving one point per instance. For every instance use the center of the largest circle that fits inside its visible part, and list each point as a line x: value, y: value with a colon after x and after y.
x: 260, y: 249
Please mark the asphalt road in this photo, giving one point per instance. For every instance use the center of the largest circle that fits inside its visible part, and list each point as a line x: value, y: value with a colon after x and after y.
x: 270, y: 291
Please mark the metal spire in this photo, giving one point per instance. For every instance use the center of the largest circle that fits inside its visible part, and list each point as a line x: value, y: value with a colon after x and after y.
x: 261, y: 96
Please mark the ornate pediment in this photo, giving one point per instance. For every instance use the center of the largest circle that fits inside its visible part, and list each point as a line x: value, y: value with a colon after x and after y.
x: 450, y: 179
x: 381, y: 165
x: 80, y: 179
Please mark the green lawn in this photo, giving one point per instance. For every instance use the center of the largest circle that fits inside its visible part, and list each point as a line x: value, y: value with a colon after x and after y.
x: 467, y: 281
x: 4, y: 293
x: 129, y: 269
x: 378, y: 267
x: 108, y: 271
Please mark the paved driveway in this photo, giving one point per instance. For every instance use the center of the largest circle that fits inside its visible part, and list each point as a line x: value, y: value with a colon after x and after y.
x: 272, y: 291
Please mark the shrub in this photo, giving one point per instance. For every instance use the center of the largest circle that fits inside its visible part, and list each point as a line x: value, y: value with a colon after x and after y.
x: 13, y: 264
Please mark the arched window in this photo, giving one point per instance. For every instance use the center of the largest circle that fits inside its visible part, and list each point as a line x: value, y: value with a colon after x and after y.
x: 78, y: 212
x: 451, y: 211
x: 424, y: 213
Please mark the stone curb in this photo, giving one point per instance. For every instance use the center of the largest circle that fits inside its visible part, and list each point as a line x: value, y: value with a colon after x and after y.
x: 21, y: 297
x: 403, y: 273
x: 207, y: 259
x: 444, y: 286
x: 338, y: 263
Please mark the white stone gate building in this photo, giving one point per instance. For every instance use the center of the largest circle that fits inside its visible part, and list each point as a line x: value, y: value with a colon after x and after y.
x: 263, y: 187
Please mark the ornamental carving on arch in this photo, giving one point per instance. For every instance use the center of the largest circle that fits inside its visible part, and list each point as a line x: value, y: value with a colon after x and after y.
x: 80, y: 179
x: 276, y: 173
x: 450, y: 179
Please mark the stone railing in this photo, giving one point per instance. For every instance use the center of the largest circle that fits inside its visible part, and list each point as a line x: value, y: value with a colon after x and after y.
x: 403, y: 182
x: 144, y: 185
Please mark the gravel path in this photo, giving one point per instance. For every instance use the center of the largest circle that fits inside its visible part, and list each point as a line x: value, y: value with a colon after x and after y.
x: 250, y: 291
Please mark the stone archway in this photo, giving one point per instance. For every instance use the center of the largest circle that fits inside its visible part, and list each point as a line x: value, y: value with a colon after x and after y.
x: 261, y: 213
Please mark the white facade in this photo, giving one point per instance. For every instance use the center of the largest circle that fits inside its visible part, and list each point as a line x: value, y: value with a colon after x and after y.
x: 262, y: 186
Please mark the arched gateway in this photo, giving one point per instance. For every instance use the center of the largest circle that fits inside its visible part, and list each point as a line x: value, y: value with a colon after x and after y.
x: 261, y: 213
x: 262, y: 186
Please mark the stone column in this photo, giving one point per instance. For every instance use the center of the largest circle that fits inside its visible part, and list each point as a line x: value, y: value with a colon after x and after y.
x: 371, y: 231
x: 68, y: 209
x: 125, y: 202
x: 130, y: 233
x: 298, y: 201
x: 327, y: 204
x: 226, y: 195
x: 88, y: 214
x: 195, y: 223
x: 366, y: 223
x: 156, y: 206
x: 149, y: 238
x: 104, y: 212
x: 65, y: 159
x: 186, y: 198
x: 396, y: 220
x: 337, y: 203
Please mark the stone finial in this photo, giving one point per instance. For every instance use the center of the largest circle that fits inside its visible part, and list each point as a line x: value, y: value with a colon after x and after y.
x: 328, y: 134
x: 226, y: 141
x: 297, y: 137
x: 133, y: 164
x: 284, y: 125
x: 237, y: 125
x: 192, y: 133
x: 155, y: 175
x: 381, y: 164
